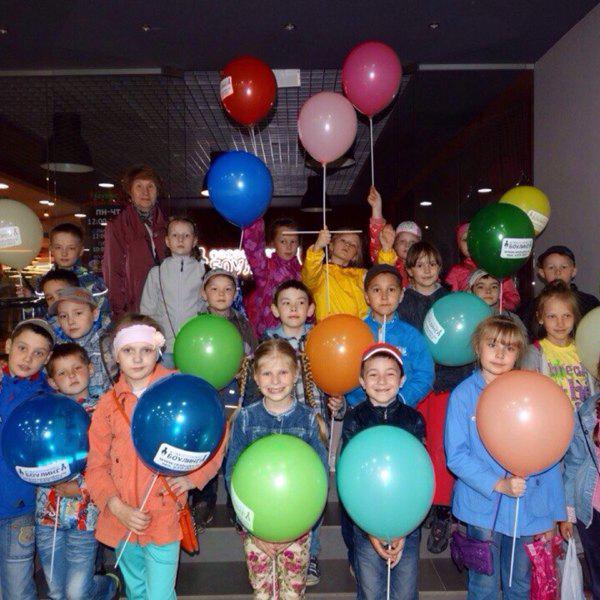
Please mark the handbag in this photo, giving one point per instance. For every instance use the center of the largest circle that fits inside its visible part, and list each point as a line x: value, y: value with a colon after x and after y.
x: 189, y: 533
x: 571, y: 587
x: 544, y: 574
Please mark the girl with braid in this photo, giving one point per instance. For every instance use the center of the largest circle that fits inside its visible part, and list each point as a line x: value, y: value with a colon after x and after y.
x: 275, y: 371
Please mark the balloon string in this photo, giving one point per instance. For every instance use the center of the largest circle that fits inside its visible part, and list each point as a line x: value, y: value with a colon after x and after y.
x: 274, y: 560
x: 382, y: 330
x: 57, y: 511
x: 389, y: 576
x: 501, y: 292
x: 241, y: 240
x: 330, y: 442
x: 253, y: 138
x: 328, y: 305
x: 512, y: 553
x: 372, y: 154
x: 141, y: 508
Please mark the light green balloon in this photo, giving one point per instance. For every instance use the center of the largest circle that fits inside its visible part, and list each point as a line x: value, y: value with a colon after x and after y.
x: 587, y: 340
x: 278, y: 488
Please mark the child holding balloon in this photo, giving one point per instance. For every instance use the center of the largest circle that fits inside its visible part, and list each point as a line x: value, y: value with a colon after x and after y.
x: 554, y: 354
x: 485, y: 495
x: 336, y: 286
x: 276, y: 566
x: 118, y: 480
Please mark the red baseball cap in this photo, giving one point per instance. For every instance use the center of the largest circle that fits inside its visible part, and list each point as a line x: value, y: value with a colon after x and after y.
x: 382, y: 348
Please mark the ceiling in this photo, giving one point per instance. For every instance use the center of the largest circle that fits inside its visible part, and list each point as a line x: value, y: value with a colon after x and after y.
x: 173, y: 119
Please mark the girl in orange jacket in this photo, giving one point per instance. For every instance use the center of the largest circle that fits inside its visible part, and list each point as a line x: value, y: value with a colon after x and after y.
x: 118, y: 480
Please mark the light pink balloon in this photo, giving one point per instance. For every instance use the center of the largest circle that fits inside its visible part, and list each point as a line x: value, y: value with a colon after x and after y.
x: 371, y: 77
x: 327, y: 126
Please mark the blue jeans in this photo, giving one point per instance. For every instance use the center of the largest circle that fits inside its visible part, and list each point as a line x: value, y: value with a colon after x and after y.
x: 315, y: 541
x: 487, y: 587
x: 74, y: 565
x: 17, y: 545
x: 371, y: 569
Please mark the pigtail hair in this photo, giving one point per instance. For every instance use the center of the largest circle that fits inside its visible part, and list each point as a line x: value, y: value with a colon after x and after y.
x: 242, y: 379
x: 307, y: 384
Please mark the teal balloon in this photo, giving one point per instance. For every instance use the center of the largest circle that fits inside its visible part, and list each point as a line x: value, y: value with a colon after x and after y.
x: 210, y: 347
x: 449, y: 325
x: 278, y: 488
x: 500, y: 239
x: 385, y: 481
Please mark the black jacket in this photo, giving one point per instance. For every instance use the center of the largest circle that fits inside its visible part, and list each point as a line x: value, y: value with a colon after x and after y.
x: 398, y: 414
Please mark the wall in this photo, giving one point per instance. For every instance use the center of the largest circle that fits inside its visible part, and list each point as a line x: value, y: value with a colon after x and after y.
x: 567, y: 144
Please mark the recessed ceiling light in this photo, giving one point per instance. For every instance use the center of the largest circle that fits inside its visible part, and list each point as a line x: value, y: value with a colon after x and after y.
x: 204, y: 193
x: 484, y: 190
x: 3, y: 31
x: 289, y: 26
x: 80, y: 215
x: 425, y: 203
x: 104, y: 223
x: 46, y: 214
x: 106, y: 185
x: 44, y: 201
x: 4, y: 186
x: 433, y: 26
x: 426, y: 226
x: 50, y: 203
x: 146, y: 28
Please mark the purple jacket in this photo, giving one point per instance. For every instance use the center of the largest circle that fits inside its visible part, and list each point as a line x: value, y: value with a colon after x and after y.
x: 268, y: 273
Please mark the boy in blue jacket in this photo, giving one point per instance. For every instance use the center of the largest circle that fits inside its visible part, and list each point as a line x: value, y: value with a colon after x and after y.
x: 28, y: 350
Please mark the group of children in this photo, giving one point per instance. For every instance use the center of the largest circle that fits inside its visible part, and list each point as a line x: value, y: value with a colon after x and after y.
x: 75, y: 350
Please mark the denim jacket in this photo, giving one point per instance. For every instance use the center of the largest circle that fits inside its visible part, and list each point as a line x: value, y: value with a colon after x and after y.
x: 580, y: 471
x: 255, y: 421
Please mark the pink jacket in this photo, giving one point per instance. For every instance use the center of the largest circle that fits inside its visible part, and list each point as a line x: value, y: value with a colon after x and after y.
x: 268, y: 273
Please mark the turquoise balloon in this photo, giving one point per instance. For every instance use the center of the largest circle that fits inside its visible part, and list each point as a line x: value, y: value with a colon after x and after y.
x: 449, y: 325
x: 385, y: 481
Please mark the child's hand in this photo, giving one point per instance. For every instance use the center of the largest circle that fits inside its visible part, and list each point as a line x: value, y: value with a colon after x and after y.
x: 335, y: 404
x: 511, y: 486
x: 179, y: 485
x: 68, y: 489
x: 390, y: 552
x: 566, y: 529
x: 323, y: 240
x: 374, y: 200
x: 387, y: 237
x: 132, y: 518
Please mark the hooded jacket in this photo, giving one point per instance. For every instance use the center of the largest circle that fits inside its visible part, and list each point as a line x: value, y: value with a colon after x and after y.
x: 178, y: 298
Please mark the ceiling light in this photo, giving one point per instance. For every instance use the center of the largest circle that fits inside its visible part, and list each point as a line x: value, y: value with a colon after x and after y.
x: 50, y: 203
x: 484, y: 190
x: 3, y: 31
x: 104, y: 223
x: 426, y: 226
x: 204, y: 193
x: 425, y: 203
x: 44, y: 201
x: 289, y: 26
x: 433, y: 26
x: 4, y: 186
x: 106, y: 185
x: 80, y: 215
x: 67, y: 152
x: 46, y: 214
x: 146, y: 28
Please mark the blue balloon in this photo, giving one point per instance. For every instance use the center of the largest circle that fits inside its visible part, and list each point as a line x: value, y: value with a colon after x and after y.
x: 45, y: 439
x: 177, y: 424
x: 385, y: 481
x: 240, y: 187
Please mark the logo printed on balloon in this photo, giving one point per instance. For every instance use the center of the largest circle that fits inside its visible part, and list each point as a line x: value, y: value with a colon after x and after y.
x: 49, y: 473
x: 244, y: 513
x: 9, y: 237
x: 226, y: 88
x: 516, y: 247
x: 432, y: 328
x: 539, y: 220
x: 177, y: 459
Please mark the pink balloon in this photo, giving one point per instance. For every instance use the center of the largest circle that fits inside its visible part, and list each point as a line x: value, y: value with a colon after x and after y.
x: 327, y: 126
x: 371, y: 77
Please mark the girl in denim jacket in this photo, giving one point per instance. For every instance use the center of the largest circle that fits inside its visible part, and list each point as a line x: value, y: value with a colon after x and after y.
x: 275, y: 373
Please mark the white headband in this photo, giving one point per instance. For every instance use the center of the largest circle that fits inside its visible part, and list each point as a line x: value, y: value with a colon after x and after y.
x: 138, y: 333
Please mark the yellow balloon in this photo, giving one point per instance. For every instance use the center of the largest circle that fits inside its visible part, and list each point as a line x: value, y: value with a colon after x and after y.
x: 21, y: 234
x: 587, y: 340
x: 532, y: 201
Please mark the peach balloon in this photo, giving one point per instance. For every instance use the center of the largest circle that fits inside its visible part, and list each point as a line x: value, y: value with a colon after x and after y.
x: 334, y: 348
x: 525, y: 421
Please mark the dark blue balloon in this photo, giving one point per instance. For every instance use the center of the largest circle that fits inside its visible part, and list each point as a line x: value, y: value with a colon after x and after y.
x: 45, y: 439
x: 178, y: 422
x: 240, y: 187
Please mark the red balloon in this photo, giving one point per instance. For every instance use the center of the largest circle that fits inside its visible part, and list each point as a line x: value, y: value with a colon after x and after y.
x: 248, y: 89
x: 525, y: 421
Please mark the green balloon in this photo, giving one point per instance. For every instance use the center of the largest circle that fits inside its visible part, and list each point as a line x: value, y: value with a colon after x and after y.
x: 210, y: 347
x: 278, y: 488
x: 500, y: 239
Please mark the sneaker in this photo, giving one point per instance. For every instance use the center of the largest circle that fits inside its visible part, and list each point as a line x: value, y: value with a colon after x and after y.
x: 439, y: 534
x: 114, y: 577
x: 313, y: 575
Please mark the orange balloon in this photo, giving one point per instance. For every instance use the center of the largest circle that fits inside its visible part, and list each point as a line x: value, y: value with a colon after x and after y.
x: 525, y: 421
x: 334, y: 348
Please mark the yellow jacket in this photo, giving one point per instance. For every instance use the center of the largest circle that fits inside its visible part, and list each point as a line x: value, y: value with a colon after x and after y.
x: 346, y: 290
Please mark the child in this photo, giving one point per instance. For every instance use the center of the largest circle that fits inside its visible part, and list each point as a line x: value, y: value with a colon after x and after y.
x: 80, y: 321
x: 487, y: 287
x: 582, y: 485
x: 338, y: 287
x: 485, y: 494
x: 171, y: 293
x: 558, y: 263
x: 118, y: 480
x: 275, y: 373
x: 66, y: 247
x: 21, y: 378
x: 49, y: 285
x: 268, y: 273
x: 554, y: 354
x: 69, y: 370
x: 424, y: 263
x: 405, y: 235
x: 381, y: 377
x: 458, y: 275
